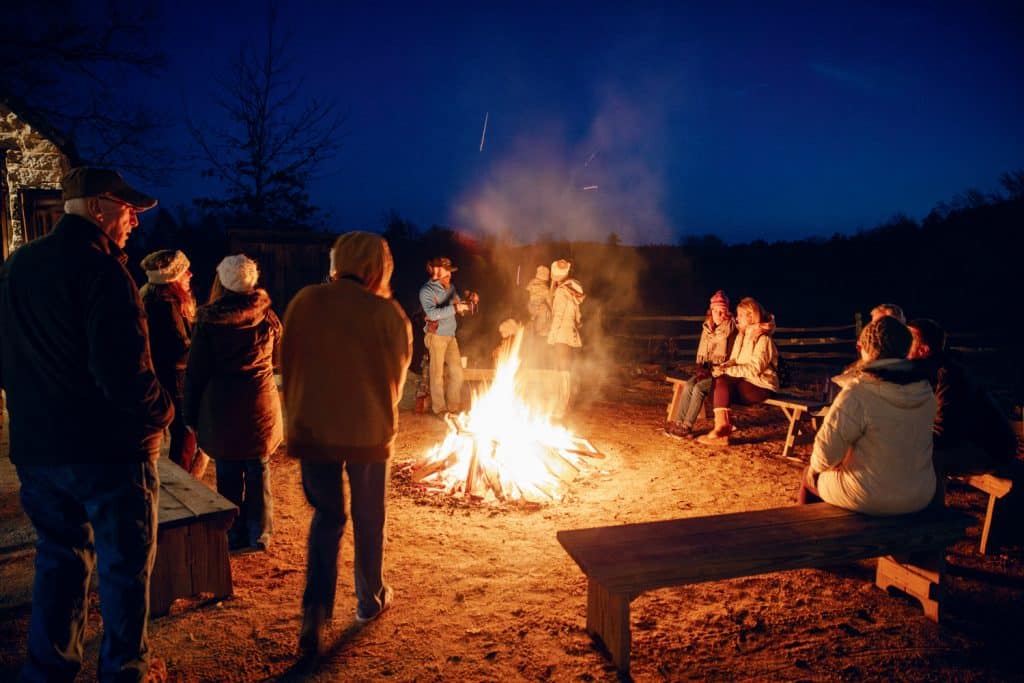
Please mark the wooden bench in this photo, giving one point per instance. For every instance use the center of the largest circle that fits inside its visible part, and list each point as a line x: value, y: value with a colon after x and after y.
x: 793, y: 407
x: 621, y: 562
x: 192, y: 542
x: 996, y: 487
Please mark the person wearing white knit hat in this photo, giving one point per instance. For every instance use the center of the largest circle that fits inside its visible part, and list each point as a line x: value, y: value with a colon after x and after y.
x: 564, y: 334
x: 238, y: 273
x: 171, y: 311
x: 231, y: 399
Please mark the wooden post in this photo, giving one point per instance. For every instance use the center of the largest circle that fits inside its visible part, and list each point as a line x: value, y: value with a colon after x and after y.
x: 608, y: 621
x: 858, y: 324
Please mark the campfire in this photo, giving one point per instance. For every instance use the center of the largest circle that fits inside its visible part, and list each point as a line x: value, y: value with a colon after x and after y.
x: 506, y: 447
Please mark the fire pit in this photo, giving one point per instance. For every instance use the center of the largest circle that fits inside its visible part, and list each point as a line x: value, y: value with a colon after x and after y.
x: 506, y: 447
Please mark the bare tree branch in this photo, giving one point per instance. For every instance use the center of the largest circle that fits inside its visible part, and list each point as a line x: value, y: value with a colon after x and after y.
x: 275, y: 142
x: 67, y: 61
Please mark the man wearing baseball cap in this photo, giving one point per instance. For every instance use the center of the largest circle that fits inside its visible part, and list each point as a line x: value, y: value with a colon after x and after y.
x: 75, y: 350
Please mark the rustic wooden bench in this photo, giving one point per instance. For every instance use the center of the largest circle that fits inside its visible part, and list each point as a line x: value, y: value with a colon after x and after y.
x: 192, y: 543
x: 621, y: 562
x: 794, y: 408
x: 996, y: 487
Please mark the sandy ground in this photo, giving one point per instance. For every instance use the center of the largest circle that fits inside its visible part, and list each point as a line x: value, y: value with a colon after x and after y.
x: 485, y: 593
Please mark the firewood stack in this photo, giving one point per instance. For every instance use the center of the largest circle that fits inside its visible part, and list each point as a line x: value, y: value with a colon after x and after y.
x: 478, y: 466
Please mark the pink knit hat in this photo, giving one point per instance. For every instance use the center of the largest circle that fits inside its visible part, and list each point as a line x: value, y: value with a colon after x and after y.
x: 720, y: 300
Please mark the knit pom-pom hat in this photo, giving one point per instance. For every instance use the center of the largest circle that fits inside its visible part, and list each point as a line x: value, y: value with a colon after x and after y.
x: 238, y: 273
x: 720, y: 300
x: 164, y: 266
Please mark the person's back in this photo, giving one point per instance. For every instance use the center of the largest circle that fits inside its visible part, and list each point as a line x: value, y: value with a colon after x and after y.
x: 884, y: 417
x: 366, y: 347
x: 873, y: 452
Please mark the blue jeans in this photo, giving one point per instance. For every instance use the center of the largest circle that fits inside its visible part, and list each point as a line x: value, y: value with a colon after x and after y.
x: 246, y: 483
x: 81, y: 514
x: 691, y: 401
x: 322, y: 483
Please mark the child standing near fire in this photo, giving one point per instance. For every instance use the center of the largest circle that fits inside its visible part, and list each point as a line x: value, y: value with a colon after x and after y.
x: 564, y: 335
x: 716, y: 340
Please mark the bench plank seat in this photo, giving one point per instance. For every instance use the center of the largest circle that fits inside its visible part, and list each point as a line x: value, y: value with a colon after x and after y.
x: 621, y: 562
x: 192, y: 545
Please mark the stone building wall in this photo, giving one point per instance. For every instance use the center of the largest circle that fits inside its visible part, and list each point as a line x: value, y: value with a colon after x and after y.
x: 30, y: 161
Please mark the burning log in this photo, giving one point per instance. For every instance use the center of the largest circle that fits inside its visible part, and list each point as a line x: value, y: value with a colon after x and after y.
x: 505, y: 446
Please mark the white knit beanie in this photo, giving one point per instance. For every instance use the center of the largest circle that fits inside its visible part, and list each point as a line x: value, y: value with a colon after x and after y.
x: 165, y: 266
x: 238, y: 273
x: 560, y: 269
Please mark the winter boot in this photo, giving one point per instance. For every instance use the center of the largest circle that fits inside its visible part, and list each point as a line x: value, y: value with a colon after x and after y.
x: 719, y: 436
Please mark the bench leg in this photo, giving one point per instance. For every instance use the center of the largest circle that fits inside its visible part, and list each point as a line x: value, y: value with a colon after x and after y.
x: 793, y: 414
x: 608, y: 621
x: 673, y: 405
x: 988, y: 524
x: 921, y: 582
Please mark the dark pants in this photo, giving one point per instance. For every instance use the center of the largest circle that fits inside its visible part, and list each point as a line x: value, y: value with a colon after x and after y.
x: 729, y: 390
x: 246, y: 483
x: 322, y: 484
x: 84, y: 514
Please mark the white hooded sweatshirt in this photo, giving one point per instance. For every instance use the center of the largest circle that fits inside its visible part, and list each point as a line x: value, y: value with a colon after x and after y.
x: 874, y: 449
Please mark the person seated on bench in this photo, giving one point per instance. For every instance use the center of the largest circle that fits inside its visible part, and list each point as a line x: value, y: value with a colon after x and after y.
x: 873, y: 452
x: 716, y: 339
x: 751, y: 373
x: 970, y: 434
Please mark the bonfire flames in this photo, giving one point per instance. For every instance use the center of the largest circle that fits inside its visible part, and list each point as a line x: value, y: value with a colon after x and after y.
x: 506, y: 447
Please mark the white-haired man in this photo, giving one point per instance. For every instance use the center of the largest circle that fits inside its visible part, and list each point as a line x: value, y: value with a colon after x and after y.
x: 75, y: 349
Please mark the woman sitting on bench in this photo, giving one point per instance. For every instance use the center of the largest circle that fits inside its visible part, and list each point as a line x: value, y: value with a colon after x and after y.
x: 873, y: 453
x: 751, y: 373
x: 716, y: 339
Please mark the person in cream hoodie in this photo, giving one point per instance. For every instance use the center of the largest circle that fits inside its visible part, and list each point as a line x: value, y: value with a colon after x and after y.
x: 873, y: 453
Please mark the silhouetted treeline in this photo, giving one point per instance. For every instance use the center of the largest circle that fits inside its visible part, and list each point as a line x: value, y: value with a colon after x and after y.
x: 961, y: 265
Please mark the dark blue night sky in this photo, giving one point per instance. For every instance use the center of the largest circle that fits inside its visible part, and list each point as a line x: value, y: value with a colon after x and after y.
x: 736, y: 119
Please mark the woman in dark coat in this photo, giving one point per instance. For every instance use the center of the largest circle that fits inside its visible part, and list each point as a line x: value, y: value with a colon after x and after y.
x: 171, y: 311
x: 231, y: 399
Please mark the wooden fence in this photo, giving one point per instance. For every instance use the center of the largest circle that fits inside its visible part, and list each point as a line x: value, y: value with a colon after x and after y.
x: 647, y: 340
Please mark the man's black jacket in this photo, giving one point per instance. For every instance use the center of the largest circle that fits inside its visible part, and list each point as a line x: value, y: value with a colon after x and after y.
x: 74, y: 353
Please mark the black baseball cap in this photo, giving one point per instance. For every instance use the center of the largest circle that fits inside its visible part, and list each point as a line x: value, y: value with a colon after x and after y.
x: 87, y: 181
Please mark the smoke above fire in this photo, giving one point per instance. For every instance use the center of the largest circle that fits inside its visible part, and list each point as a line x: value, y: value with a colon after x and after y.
x: 552, y: 197
x: 547, y: 186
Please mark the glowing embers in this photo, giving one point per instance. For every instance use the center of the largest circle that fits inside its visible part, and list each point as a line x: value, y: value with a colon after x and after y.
x: 505, y: 447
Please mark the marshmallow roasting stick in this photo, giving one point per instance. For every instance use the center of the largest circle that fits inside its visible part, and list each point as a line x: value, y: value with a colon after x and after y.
x: 484, y: 133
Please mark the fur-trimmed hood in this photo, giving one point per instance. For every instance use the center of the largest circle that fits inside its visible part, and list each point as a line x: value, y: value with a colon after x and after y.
x: 239, y: 310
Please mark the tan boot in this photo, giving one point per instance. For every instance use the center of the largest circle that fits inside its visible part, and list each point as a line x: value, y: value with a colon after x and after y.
x: 719, y: 436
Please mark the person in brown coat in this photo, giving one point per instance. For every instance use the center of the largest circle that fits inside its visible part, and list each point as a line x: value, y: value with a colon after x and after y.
x: 344, y: 356
x: 231, y: 400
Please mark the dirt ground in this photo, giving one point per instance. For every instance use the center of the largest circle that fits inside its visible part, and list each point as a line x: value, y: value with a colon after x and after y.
x: 486, y: 593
